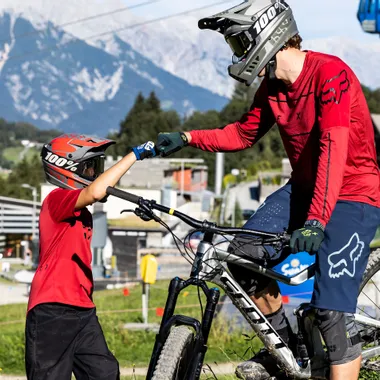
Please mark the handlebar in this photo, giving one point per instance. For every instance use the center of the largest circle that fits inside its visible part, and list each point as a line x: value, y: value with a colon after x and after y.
x: 148, y: 206
x: 123, y: 195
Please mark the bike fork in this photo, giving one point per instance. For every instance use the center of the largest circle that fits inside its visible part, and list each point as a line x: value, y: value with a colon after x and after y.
x: 202, y: 329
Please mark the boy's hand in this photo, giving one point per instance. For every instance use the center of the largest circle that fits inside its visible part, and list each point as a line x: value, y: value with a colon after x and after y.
x: 168, y: 143
x: 146, y: 150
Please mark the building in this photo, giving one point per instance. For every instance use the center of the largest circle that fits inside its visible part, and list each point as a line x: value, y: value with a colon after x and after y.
x: 180, y: 174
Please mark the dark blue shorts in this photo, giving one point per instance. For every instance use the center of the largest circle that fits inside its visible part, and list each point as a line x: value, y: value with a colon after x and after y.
x: 343, y: 255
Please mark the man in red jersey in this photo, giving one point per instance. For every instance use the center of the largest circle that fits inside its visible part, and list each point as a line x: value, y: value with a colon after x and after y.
x: 63, y: 335
x: 331, y: 203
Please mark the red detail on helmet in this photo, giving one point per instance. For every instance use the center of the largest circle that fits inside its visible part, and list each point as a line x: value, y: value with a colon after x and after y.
x: 66, y: 157
x: 69, y: 143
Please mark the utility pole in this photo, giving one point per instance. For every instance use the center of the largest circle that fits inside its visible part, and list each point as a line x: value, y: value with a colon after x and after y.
x: 34, y: 215
x: 219, y: 173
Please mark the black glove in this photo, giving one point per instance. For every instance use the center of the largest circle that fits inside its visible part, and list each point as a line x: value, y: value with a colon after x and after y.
x: 168, y: 143
x: 146, y: 150
x: 308, y: 238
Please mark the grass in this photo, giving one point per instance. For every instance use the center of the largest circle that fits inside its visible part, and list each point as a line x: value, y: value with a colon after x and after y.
x: 376, y: 240
x: 4, y: 280
x: 133, y: 348
x: 203, y: 377
x: 13, y: 153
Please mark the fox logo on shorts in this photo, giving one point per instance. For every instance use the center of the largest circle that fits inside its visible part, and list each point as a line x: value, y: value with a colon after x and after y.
x: 334, y: 88
x: 344, y: 261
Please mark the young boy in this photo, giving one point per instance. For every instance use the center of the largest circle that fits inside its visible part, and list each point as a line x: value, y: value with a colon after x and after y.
x: 63, y: 334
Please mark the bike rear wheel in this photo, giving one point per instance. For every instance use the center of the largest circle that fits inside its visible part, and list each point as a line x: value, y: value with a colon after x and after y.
x: 369, y: 306
x: 173, y: 360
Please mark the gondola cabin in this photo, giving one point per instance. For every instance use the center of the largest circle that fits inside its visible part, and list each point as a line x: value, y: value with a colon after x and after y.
x: 369, y: 15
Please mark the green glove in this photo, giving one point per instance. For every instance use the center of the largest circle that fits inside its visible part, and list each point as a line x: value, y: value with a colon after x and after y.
x: 168, y: 143
x: 309, y: 238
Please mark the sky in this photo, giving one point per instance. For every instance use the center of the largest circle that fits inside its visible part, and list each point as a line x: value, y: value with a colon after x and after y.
x: 315, y: 18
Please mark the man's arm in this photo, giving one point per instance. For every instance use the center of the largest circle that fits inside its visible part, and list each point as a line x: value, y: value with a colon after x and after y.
x: 233, y: 137
x: 334, y: 122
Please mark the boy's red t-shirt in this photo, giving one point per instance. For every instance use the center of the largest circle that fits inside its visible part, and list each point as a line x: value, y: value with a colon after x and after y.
x: 64, y: 273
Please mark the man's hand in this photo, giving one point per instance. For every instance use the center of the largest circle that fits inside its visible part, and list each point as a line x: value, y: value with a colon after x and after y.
x: 168, y: 143
x: 308, y: 239
x: 146, y: 150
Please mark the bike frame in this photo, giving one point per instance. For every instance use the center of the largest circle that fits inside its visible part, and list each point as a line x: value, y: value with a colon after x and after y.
x: 208, y: 262
x: 210, y: 265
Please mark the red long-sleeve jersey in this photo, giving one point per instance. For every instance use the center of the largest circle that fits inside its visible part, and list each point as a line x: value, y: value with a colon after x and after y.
x: 326, y: 129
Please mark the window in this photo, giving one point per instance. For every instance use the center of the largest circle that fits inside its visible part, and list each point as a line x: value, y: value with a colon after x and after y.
x: 362, y: 6
x: 371, y: 6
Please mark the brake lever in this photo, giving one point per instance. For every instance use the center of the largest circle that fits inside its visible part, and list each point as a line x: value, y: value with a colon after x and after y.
x: 142, y: 214
x: 126, y: 210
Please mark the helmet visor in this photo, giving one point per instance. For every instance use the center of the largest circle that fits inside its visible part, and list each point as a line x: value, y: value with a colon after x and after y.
x: 92, y: 168
x: 239, y: 44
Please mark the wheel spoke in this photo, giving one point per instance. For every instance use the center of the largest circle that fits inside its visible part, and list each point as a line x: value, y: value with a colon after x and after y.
x: 371, y: 300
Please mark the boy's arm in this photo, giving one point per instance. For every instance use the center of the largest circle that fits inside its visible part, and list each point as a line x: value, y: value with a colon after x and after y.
x: 97, y: 190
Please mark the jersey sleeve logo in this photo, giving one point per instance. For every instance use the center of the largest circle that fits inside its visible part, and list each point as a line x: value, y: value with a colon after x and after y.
x: 334, y: 88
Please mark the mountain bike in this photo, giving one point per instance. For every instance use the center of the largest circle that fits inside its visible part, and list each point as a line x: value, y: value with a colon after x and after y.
x: 181, y: 343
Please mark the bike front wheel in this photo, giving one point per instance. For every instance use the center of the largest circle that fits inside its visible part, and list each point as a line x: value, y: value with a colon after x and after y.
x: 173, y: 361
x: 369, y: 306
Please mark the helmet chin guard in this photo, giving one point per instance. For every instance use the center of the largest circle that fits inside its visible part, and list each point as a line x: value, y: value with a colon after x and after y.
x: 256, y: 31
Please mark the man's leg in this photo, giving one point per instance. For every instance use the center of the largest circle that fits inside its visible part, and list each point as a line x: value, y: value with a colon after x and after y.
x: 276, y: 214
x: 269, y: 300
x: 341, y: 262
x: 348, y: 371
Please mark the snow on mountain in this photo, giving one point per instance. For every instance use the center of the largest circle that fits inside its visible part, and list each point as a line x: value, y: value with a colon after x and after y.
x: 146, y: 53
x: 363, y: 58
x: 52, y: 79
x: 177, y: 45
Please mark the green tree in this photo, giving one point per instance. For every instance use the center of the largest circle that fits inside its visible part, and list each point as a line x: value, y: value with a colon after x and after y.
x: 26, y: 171
x: 143, y: 122
x: 153, y: 103
x: 373, y: 99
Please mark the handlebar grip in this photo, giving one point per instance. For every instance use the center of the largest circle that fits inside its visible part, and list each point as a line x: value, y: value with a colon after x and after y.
x: 123, y: 195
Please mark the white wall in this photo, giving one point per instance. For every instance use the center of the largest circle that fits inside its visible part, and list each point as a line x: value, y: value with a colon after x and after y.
x: 114, y: 205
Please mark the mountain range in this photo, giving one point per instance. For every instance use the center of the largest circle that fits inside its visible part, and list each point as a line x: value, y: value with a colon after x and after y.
x: 58, y: 71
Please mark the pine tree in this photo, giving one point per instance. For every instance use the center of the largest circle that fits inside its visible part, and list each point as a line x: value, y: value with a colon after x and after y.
x: 153, y: 103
